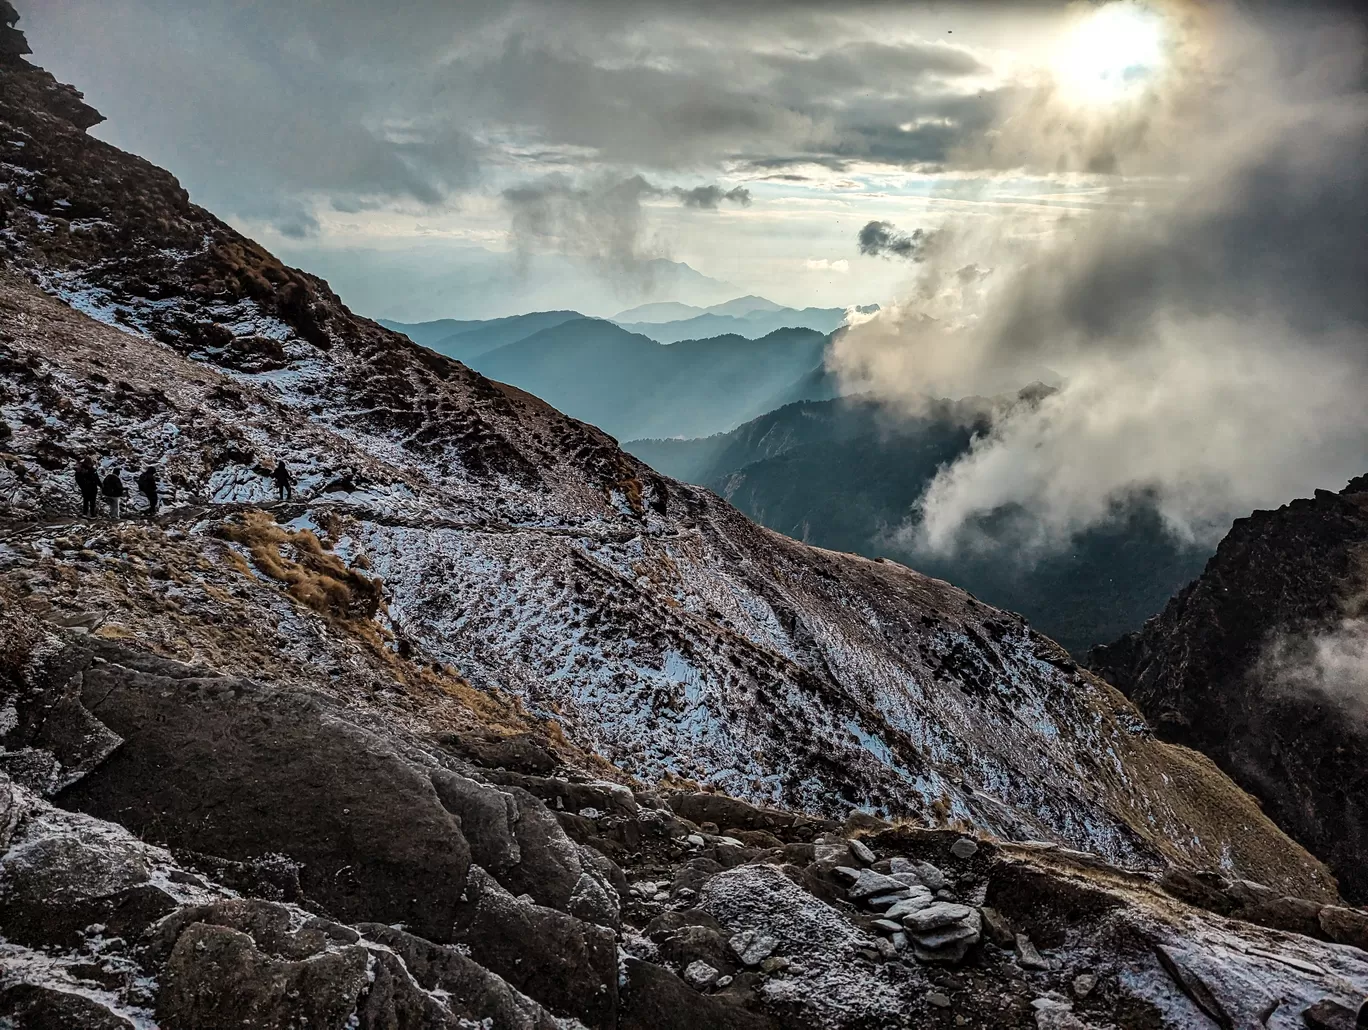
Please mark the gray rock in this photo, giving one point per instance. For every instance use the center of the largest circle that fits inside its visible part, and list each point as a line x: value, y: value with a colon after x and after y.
x: 934, y: 916
x: 752, y: 946
x: 568, y: 965
x: 43, y: 1008
x: 471, y: 991
x: 938, y: 999
x: 931, y: 875
x: 1027, y: 956
x: 699, y: 974
x: 869, y: 884
x: 861, y: 851
x: 884, y: 900
x: 231, y: 768
x: 1345, y: 926
x: 887, y: 926
x: 911, y: 903
x: 965, y: 847
x: 997, y: 927
x: 217, y: 977
x: 1084, y: 984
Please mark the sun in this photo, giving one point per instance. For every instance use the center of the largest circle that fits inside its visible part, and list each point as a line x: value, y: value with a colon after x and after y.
x: 1111, y: 52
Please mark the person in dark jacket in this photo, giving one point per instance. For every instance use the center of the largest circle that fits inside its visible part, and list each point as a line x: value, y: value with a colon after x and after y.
x: 147, y: 483
x: 88, y: 482
x: 113, y: 490
x: 284, y: 481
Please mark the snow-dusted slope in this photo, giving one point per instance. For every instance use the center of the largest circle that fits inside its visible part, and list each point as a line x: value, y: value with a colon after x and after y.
x: 656, y: 624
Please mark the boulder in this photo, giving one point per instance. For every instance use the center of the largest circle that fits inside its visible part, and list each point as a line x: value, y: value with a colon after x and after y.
x: 471, y: 991
x: 34, y: 1007
x: 655, y: 999
x: 1344, y: 925
x: 231, y: 768
x: 217, y: 978
x: 567, y: 965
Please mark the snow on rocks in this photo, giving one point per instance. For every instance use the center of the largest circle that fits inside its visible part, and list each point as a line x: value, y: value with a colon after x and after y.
x: 826, y: 974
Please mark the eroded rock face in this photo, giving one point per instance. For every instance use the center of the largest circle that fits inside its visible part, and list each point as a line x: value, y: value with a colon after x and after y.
x: 239, y: 770
x: 1207, y: 674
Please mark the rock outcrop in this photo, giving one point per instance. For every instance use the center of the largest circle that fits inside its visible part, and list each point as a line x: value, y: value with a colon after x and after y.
x: 1241, y: 665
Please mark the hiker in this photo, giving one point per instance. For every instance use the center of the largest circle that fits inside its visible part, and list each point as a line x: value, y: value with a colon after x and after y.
x: 283, y: 481
x: 147, y: 483
x: 113, y: 490
x: 88, y: 482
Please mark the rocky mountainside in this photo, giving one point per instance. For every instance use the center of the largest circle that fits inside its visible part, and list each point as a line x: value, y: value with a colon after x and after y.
x: 846, y: 473
x: 1259, y: 663
x: 421, y: 746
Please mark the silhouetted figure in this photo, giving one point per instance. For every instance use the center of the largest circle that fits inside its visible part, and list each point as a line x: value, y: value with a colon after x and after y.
x: 284, y: 481
x: 113, y: 490
x: 147, y: 483
x: 88, y: 482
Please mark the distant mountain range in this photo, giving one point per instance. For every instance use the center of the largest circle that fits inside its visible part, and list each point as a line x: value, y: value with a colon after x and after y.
x: 667, y: 322
x: 847, y: 474
x: 632, y: 386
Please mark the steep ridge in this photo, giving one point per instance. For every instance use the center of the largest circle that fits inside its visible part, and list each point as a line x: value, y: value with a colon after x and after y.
x: 282, y: 765
x: 664, y: 630
x: 466, y: 340
x: 1258, y: 663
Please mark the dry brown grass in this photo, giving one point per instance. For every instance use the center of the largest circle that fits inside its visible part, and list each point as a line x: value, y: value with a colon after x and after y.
x: 313, y: 576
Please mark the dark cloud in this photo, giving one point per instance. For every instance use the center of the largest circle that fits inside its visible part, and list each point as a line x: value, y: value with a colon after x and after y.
x: 884, y: 239
x: 264, y: 108
x: 711, y: 197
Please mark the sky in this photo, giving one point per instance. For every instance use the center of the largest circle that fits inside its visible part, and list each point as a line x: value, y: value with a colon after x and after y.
x: 750, y: 140
x: 1157, y: 205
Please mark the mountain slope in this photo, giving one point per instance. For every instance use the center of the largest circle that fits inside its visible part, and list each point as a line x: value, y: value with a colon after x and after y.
x: 630, y: 385
x: 848, y: 474
x: 663, y: 629
x: 1259, y: 663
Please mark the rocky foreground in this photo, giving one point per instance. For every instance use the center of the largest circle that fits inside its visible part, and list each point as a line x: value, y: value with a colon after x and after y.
x: 423, y: 746
x: 317, y: 866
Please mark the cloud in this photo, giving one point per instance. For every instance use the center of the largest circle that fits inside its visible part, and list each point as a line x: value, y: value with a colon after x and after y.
x: 884, y: 239
x: 603, y: 220
x: 840, y: 265
x: 1330, y: 664
x: 1211, y: 338
x: 266, y: 108
x: 711, y: 197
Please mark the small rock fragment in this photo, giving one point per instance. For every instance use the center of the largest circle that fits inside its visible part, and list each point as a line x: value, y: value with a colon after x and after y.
x: 884, y: 900
x: 870, y: 884
x: 752, y: 947
x: 912, y: 903
x: 774, y: 964
x: 860, y: 850
x: 997, y: 927
x: 1084, y: 984
x: 965, y: 847
x: 938, y: 999
x: 699, y: 974
x: 887, y: 926
x: 935, y: 916
x: 695, y: 840
x: 1026, y: 954
x: 931, y: 875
